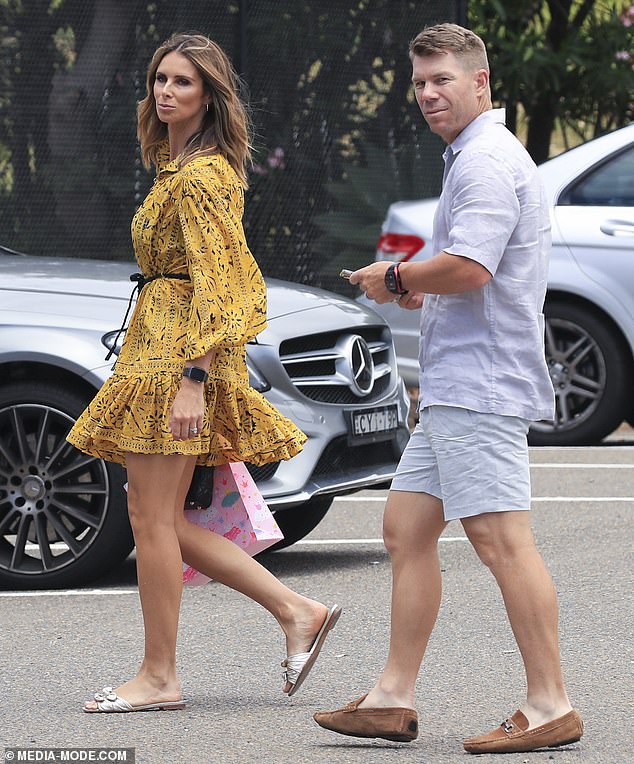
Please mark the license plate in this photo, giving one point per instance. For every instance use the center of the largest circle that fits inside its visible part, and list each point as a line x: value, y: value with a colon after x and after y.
x: 371, y: 423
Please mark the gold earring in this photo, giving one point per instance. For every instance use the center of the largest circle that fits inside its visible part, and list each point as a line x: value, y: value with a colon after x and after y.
x: 207, y: 108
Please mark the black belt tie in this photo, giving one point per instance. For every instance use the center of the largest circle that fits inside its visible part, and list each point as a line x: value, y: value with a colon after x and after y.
x: 141, y: 281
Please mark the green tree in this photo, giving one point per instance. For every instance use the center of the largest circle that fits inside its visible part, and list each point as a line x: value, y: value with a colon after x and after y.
x: 339, y: 116
x: 79, y: 105
x: 328, y: 82
x: 558, y: 61
x: 26, y: 79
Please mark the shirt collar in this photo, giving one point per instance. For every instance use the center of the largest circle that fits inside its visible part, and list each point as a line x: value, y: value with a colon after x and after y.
x: 474, y: 128
x: 163, y: 158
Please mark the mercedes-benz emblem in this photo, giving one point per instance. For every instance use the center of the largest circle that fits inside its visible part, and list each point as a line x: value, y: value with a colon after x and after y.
x: 359, y: 365
x: 33, y: 487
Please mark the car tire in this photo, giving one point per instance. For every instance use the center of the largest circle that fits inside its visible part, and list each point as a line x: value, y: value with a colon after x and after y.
x: 590, y: 367
x: 63, y: 518
x: 299, y: 521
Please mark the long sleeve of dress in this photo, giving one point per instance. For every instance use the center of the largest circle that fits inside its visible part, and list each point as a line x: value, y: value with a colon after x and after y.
x: 191, y: 221
x: 228, y: 305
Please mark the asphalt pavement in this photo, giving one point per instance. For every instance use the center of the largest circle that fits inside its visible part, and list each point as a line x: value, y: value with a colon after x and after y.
x: 59, y: 647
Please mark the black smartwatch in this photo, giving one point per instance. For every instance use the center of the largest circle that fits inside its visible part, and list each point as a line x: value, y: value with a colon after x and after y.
x: 393, y: 280
x: 195, y: 373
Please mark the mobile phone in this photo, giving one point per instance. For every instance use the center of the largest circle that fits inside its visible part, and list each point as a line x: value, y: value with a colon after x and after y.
x: 345, y: 274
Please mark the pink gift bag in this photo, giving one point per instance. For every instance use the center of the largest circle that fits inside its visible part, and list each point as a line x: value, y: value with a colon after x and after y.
x: 238, y: 512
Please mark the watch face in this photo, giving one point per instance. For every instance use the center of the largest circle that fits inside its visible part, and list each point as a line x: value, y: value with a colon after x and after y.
x: 193, y: 372
x: 390, y: 279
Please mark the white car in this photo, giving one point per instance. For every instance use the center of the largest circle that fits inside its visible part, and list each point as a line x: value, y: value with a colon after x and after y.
x: 590, y: 301
x: 326, y: 362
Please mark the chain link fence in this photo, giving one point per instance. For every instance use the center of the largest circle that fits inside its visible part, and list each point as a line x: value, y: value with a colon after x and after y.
x: 338, y: 136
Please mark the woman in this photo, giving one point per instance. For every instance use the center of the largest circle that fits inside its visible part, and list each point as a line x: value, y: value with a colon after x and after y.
x: 180, y: 393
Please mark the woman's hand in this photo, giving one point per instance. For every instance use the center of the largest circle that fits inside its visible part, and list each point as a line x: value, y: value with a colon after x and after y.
x: 188, y: 409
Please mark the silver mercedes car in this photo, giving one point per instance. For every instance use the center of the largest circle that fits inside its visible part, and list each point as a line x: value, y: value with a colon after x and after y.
x: 326, y: 362
x: 590, y: 300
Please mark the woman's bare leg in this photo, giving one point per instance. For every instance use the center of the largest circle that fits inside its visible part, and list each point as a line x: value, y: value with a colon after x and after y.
x: 155, y: 491
x: 300, y: 618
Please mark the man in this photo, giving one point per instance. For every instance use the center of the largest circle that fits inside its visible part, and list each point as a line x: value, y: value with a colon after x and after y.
x: 483, y: 378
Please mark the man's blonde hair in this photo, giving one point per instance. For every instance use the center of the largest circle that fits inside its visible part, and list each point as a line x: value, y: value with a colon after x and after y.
x: 466, y: 46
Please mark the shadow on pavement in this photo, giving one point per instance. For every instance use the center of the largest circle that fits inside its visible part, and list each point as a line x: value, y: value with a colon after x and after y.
x: 293, y: 561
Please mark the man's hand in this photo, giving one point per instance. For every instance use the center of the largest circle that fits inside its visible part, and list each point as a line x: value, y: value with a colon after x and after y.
x: 371, y: 279
x: 411, y: 300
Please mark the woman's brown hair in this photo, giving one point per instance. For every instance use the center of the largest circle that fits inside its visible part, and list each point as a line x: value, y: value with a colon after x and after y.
x: 226, y: 125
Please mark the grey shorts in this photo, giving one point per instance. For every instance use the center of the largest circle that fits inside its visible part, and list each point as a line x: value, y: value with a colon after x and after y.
x: 473, y: 462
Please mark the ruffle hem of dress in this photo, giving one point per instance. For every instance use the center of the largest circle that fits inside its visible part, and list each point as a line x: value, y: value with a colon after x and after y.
x: 130, y: 413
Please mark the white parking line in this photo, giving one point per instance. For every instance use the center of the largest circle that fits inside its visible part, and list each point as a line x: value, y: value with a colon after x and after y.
x: 565, y: 466
x: 581, y: 499
x: 576, y: 449
x: 561, y: 499
x: 98, y: 592
x: 69, y: 593
x: 382, y: 498
x: 336, y: 542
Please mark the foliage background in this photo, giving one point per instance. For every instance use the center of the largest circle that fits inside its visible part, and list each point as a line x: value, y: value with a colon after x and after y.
x: 338, y: 135
x: 337, y: 139
x: 564, y: 69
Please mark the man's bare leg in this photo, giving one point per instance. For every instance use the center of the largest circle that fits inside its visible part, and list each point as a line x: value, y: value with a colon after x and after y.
x: 505, y: 544
x: 412, y: 525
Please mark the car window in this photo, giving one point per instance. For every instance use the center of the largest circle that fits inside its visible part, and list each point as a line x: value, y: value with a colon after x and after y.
x: 609, y: 185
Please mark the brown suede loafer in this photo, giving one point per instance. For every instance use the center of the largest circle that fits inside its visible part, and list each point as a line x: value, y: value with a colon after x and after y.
x: 512, y: 736
x: 398, y: 724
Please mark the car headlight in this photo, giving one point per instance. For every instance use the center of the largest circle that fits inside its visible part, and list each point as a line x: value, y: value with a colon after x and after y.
x: 256, y: 379
x: 113, y: 341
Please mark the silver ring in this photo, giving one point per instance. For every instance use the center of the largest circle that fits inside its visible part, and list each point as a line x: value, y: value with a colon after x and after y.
x: 194, y: 430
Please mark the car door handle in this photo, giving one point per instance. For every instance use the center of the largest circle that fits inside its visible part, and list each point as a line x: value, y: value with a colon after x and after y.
x: 618, y: 227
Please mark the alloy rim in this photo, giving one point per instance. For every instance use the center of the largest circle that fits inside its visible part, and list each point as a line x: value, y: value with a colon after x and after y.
x: 578, y: 372
x: 53, y: 498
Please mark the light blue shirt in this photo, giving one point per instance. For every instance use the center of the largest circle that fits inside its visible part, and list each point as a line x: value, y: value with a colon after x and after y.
x: 484, y: 349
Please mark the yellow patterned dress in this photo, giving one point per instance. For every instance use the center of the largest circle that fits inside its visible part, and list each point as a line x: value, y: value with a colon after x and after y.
x: 190, y: 223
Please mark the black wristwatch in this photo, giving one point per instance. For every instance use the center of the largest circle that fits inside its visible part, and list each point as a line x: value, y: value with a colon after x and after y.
x: 393, y: 280
x: 195, y: 373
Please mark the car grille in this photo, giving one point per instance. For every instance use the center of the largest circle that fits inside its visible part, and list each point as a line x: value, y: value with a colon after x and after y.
x: 323, y: 366
x: 339, y: 458
x: 265, y: 472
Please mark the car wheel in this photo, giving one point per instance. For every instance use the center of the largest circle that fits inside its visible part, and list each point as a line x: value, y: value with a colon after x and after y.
x: 589, y: 368
x: 63, y: 519
x: 299, y: 521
